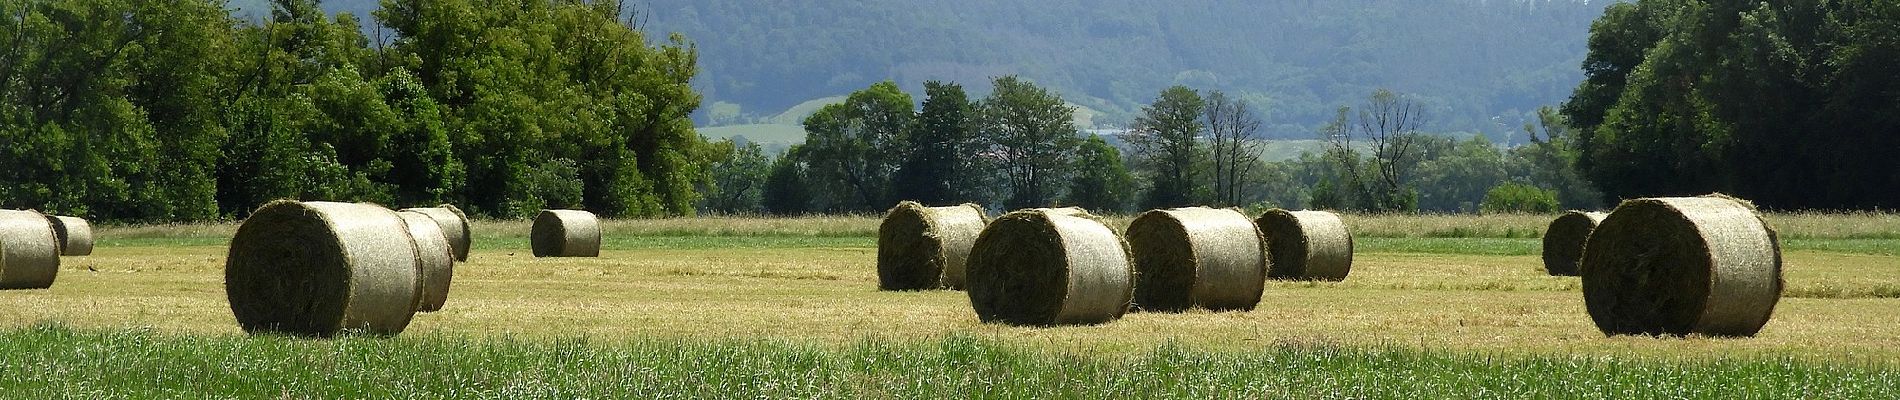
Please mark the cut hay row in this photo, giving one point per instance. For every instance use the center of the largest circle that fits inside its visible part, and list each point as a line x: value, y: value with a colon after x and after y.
x: 565, y: 233
x: 29, y: 250
x: 922, y: 248
x: 1197, y: 257
x: 322, y: 268
x: 454, y: 226
x: 73, y: 233
x: 1039, y: 268
x: 434, y: 259
x: 1682, y: 265
x: 1563, y: 241
x: 1306, y: 245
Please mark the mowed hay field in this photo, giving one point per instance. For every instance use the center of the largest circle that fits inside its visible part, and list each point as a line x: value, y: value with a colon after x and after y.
x: 789, y: 307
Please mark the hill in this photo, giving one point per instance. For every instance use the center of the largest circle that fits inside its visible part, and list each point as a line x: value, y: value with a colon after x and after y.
x: 1478, y: 66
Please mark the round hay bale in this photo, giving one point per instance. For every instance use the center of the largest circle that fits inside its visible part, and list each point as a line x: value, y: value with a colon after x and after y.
x: 1563, y: 241
x: 435, y: 263
x: 29, y: 250
x: 921, y: 248
x: 322, y: 268
x: 1682, y: 265
x: 1197, y: 257
x: 566, y: 233
x: 454, y: 225
x: 1033, y: 267
x: 75, y: 235
x: 1306, y: 245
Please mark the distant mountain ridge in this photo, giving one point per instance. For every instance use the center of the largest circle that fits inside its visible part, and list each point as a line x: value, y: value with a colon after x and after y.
x: 1478, y: 66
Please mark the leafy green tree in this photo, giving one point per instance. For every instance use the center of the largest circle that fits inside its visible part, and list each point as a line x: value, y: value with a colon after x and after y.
x: 1034, y: 138
x: 786, y: 191
x: 738, y: 179
x: 424, y: 170
x: 934, y: 168
x: 1781, y: 103
x: 1457, y: 178
x: 855, y: 147
x: 1550, y: 160
x: 1102, y: 183
x: 524, y: 87
x: 1166, y: 139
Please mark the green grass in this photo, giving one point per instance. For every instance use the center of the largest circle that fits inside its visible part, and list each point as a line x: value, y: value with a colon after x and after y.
x: 762, y: 133
x: 797, y: 113
x: 52, y: 362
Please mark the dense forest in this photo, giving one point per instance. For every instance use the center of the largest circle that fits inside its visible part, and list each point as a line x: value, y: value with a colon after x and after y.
x: 1478, y: 66
x: 130, y: 110
x: 1795, y: 104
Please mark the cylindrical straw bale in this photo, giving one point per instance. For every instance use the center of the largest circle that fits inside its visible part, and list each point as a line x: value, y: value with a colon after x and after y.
x: 322, y: 268
x: 1681, y: 265
x: 454, y: 225
x: 1306, y: 245
x: 75, y: 235
x: 1197, y: 257
x: 566, y: 233
x: 1032, y: 267
x: 920, y: 248
x: 29, y: 251
x: 436, y: 264
x: 1563, y: 242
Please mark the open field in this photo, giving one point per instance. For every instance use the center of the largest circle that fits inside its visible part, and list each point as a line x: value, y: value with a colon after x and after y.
x: 1441, y: 304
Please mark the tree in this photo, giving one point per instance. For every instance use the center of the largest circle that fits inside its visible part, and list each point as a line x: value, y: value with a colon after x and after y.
x: 1782, y: 103
x: 854, y: 147
x: 1550, y: 160
x: 738, y: 179
x: 1234, y: 139
x: 786, y: 192
x: 545, y: 93
x: 1166, y: 139
x: 939, y: 143
x: 1454, y: 175
x: 1387, y: 125
x: 1102, y: 183
x: 1033, y: 136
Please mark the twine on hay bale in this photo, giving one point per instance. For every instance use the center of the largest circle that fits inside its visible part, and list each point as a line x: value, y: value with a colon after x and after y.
x: 454, y: 225
x: 1680, y: 265
x: 566, y: 233
x: 322, y: 268
x: 921, y: 248
x: 1306, y: 245
x: 75, y: 235
x: 1197, y: 257
x: 29, y: 250
x: 434, y: 262
x: 1563, y: 241
x: 1034, y: 267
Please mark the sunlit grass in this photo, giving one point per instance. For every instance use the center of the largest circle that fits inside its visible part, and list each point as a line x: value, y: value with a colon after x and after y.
x: 52, y: 362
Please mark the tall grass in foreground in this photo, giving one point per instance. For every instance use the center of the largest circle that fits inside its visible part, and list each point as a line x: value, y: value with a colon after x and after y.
x: 53, y: 362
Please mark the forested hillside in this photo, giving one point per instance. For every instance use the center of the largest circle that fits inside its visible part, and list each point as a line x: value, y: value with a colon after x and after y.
x: 1480, y: 66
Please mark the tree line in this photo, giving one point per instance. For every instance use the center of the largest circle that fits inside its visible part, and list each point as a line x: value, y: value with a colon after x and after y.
x: 1792, y: 104
x: 1018, y: 147
x: 175, y: 111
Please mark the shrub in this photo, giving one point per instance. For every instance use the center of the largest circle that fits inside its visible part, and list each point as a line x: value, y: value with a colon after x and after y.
x: 1518, y: 197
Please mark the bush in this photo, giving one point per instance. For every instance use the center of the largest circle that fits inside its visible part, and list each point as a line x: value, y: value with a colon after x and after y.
x: 1517, y: 197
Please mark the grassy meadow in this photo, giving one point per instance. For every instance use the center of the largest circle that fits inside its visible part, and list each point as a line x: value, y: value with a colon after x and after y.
x: 738, y: 306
